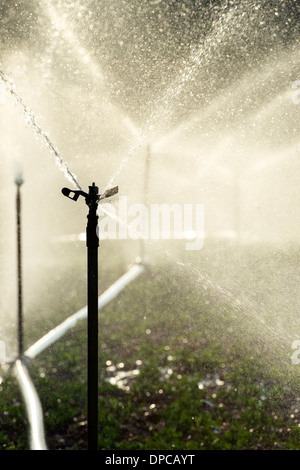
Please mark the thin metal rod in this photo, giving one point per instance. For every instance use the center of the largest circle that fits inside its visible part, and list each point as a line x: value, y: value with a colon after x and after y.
x: 19, y: 181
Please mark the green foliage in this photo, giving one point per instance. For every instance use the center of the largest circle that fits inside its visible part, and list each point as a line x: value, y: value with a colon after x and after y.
x: 199, y: 386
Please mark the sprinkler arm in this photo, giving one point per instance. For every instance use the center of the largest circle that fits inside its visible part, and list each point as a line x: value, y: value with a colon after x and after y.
x: 66, y: 192
x: 110, y: 192
x: 92, y: 195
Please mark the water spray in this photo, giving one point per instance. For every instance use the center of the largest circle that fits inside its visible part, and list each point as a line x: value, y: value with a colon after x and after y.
x: 146, y: 195
x: 92, y: 200
x: 19, y: 181
x: 31, y: 119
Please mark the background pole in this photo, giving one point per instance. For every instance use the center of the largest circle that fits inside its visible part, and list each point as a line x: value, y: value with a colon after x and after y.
x: 19, y: 182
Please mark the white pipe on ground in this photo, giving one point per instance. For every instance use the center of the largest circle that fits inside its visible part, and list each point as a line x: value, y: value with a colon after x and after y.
x: 112, y: 292
x: 33, y: 407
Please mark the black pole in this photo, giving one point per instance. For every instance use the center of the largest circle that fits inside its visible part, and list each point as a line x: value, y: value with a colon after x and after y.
x: 19, y: 182
x: 92, y: 243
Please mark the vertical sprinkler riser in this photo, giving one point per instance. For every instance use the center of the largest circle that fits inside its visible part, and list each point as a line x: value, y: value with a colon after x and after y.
x: 92, y: 243
x: 92, y: 200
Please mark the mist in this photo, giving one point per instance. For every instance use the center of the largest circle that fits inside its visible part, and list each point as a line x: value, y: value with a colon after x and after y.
x: 209, y: 93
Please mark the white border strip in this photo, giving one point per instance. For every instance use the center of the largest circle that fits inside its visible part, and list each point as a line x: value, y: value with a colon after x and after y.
x: 103, y: 300
x: 33, y: 407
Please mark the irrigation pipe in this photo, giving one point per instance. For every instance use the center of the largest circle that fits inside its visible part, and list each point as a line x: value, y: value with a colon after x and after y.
x: 33, y: 407
x: 107, y: 296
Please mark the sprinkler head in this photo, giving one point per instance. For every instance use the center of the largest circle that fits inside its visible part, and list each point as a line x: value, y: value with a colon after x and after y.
x: 93, y: 190
x: 19, y: 179
x: 92, y: 196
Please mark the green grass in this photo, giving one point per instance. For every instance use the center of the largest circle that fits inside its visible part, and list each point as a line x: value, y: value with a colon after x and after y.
x: 209, y: 378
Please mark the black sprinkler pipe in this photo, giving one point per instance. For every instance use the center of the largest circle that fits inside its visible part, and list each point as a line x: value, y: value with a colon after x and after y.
x: 92, y: 243
x: 92, y: 200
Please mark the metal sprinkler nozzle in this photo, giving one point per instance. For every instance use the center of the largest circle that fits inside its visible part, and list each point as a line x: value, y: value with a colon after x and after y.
x: 19, y: 179
x: 92, y: 196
